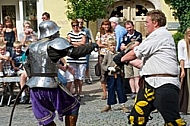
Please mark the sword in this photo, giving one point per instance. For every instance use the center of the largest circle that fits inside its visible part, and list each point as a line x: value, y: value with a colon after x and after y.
x: 16, y: 100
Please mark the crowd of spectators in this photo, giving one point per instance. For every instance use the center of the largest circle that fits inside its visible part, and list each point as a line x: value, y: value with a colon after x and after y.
x: 74, y: 72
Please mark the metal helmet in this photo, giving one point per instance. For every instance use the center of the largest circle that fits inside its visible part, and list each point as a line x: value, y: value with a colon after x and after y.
x: 48, y: 28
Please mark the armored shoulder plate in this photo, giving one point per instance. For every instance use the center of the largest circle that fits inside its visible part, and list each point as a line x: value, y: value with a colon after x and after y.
x: 59, y: 44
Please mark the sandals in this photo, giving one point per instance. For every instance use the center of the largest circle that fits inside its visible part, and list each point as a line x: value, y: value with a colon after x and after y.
x: 104, y: 97
x: 106, y: 109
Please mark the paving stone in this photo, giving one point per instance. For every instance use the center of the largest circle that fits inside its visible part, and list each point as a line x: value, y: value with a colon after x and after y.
x: 89, y: 114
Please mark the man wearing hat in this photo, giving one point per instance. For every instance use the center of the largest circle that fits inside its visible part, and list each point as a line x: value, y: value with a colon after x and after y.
x: 119, y: 31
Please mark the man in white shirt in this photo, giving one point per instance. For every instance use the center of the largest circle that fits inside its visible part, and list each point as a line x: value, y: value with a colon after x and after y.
x: 159, y: 86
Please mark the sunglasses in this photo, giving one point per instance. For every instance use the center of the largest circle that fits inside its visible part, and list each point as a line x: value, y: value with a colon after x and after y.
x: 75, y: 25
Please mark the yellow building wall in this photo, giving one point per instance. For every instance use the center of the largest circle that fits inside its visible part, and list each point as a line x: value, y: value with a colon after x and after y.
x: 168, y: 12
x: 164, y: 7
x: 93, y: 27
x: 57, y: 10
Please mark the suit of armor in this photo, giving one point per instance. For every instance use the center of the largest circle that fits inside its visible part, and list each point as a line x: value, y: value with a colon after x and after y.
x: 42, y: 70
x: 46, y: 93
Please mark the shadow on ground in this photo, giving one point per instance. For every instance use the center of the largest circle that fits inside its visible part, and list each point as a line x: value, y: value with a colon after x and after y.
x: 88, y: 98
x: 92, y: 92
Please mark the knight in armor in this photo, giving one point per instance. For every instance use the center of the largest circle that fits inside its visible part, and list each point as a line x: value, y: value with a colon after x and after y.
x: 46, y: 93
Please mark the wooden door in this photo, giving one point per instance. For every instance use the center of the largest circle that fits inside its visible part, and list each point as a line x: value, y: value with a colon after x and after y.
x: 138, y: 14
x: 140, y: 26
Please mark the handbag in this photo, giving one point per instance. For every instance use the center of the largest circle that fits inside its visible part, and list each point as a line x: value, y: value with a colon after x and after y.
x: 98, y: 66
x: 98, y: 69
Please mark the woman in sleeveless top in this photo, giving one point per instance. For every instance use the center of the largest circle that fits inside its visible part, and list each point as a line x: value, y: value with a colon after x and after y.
x: 9, y: 34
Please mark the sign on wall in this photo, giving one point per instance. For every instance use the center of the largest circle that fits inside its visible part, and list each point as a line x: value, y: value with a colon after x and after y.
x: 173, y: 25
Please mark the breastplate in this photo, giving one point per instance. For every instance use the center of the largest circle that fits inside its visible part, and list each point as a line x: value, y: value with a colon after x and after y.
x: 40, y: 63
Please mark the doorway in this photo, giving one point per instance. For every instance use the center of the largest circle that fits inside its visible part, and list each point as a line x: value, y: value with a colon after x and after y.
x: 134, y: 11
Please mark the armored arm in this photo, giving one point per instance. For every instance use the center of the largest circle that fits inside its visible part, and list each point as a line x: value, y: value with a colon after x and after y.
x: 81, y: 51
x: 55, y: 54
x: 74, y: 52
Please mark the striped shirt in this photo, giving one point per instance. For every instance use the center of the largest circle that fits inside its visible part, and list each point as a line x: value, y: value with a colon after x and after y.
x: 76, y: 37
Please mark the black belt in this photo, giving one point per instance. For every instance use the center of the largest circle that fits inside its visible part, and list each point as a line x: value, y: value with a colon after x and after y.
x: 161, y: 75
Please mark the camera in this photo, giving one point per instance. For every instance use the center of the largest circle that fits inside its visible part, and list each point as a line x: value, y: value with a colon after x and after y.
x: 28, y: 31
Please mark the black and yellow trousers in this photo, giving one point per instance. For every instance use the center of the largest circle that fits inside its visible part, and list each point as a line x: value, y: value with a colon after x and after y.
x: 165, y: 99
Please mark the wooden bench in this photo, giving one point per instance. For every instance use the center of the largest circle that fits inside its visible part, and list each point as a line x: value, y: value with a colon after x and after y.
x: 8, y: 81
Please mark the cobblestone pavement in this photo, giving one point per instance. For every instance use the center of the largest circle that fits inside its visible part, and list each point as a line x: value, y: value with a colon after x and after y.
x: 89, y: 114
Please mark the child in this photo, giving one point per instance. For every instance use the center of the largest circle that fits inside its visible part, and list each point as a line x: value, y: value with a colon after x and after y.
x: 25, y: 46
x: 17, y: 60
x: 114, y: 80
x: 5, y: 61
x: 17, y: 56
x: 67, y: 72
x: 9, y: 34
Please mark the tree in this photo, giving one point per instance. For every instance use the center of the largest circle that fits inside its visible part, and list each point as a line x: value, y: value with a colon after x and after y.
x: 89, y: 10
x: 181, y: 12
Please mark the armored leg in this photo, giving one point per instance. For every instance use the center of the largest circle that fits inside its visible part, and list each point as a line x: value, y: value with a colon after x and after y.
x: 70, y: 120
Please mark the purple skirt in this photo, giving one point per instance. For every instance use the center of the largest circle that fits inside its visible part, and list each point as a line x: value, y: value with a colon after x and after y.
x: 45, y: 101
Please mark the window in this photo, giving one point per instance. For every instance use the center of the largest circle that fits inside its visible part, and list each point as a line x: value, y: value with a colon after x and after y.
x: 9, y: 10
x: 117, y: 12
x: 140, y: 10
x: 30, y: 12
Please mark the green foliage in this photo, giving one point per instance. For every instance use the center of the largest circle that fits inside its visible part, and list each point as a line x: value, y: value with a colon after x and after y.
x: 89, y: 10
x: 181, y: 12
x: 178, y: 36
